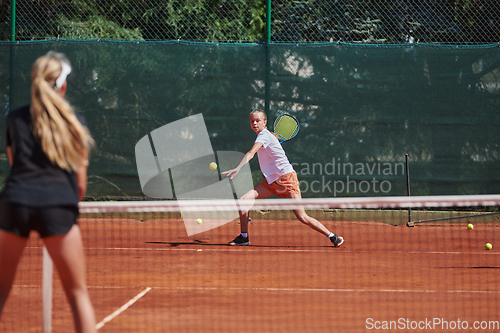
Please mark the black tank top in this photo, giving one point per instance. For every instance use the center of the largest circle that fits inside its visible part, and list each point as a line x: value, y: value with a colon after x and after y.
x: 34, y: 180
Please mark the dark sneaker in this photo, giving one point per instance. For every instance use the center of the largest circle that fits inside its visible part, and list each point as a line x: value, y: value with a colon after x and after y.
x: 240, y: 240
x: 337, y: 240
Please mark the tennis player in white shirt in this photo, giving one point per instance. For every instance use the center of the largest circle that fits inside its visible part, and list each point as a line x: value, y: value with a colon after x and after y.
x: 280, y: 179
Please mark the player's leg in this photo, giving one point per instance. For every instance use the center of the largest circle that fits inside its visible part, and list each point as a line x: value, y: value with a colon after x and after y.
x: 302, y: 216
x: 67, y: 254
x: 258, y: 192
x: 11, y: 248
x: 311, y: 222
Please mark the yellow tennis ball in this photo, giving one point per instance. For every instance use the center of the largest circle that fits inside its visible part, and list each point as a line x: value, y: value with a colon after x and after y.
x: 199, y: 221
x: 488, y: 246
x: 213, y: 166
x: 470, y: 226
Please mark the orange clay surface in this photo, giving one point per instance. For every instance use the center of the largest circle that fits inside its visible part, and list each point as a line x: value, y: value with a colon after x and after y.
x: 429, y: 278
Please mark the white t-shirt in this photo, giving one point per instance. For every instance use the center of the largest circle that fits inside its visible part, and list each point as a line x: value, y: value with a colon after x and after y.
x: 272, y: 159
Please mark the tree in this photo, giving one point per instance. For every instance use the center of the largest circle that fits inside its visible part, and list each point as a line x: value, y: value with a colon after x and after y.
x: 194, y: 20
x: 386, y: 21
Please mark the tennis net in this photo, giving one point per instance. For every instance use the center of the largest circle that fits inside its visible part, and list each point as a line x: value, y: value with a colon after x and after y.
x: 165, y: 266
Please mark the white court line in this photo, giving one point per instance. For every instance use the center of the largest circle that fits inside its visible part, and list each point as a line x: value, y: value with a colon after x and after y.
x: 263, y: 249
x: 334, y: 290
x: 301, y: 289
x: 122, y: 308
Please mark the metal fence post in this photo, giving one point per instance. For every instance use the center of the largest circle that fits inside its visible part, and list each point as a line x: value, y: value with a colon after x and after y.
x: 13, y: 20
x: 13, y: 39
x: 268, y: 60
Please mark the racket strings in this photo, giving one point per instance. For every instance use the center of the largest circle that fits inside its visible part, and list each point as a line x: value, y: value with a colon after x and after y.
x: 286, y: 128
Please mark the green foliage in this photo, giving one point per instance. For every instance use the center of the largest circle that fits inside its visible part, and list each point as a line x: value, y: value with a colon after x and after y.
x: 367, y: 21
x: 480, y: 19
x: 5, y: 20
x: 194, y: 20
x: 94, y: 27
x: 386, y: 21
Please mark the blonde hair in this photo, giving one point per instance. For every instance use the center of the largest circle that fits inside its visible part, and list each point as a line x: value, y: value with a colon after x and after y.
x: 64, y: 140
x: 264, y: 115
x: 259, y: 111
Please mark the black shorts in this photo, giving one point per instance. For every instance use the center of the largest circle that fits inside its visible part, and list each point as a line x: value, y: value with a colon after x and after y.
x: 47, y: 221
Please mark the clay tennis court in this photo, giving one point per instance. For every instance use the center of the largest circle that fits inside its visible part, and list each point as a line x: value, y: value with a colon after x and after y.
x: 290, y: 279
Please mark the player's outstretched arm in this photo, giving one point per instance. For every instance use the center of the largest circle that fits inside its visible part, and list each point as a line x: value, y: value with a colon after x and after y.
x: 248, y: 156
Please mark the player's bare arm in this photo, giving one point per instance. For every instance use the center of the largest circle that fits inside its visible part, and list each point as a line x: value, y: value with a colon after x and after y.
x: 248, y: 156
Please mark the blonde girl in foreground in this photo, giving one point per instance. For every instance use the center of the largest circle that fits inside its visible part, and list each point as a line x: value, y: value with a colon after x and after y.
x: 47, y: 146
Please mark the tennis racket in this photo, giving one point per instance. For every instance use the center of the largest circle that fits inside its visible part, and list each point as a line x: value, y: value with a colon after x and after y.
x: 286, y: 127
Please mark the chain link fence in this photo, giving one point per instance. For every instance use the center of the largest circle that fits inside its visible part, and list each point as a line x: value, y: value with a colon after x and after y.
x: 387, y: 21
x: 137, y: 20
x: 464, y: 22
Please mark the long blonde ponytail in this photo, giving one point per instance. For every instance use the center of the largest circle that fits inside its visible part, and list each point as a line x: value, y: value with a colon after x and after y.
x: 63, y: 138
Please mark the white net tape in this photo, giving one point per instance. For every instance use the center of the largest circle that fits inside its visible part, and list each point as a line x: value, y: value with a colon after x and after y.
x: 309, y: 203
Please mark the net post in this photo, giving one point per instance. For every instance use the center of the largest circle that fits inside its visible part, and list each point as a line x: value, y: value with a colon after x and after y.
x: 47, y: 291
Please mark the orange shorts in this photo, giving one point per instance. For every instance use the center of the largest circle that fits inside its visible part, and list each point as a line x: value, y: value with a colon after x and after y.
x: 283, y: 186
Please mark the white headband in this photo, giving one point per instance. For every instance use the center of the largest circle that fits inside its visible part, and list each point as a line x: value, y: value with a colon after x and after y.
x: 66, y: 70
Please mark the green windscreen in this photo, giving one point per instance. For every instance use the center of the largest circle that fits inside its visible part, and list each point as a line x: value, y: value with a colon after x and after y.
x: 361, y: 109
